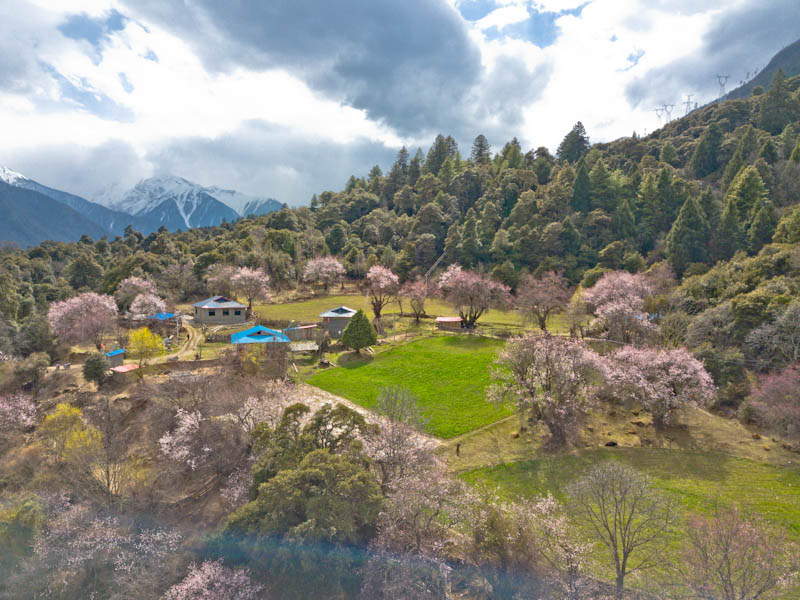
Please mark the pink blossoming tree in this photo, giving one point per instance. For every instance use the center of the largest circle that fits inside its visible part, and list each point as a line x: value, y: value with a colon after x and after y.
x: 776, y: 403
x: 214, y: 581
x: 382, y: 285
x: 548, y: 379
x: 660, y: 380
x: 617, y: 300
x: 325, y: 270
x: 472, y: 293
x: 131, y: 287
x: 146, y: 304
x: 539, y: 297
x: 417, y: 292
x: 83, y: 318
x: 253, y: 284
x: 17, y: 413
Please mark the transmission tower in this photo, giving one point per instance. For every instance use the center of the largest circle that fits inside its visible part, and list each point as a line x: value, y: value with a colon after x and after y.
x: 688, y: 104
x: 722, y: 79
x: 668, y: 110
x: 659, y: 112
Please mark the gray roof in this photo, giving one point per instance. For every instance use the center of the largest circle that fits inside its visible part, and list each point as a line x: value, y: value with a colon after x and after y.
x: 218, y: 302
x: 341, y: 311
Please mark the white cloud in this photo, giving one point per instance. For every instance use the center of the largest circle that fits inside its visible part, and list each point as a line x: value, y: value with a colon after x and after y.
x: 503, y: 17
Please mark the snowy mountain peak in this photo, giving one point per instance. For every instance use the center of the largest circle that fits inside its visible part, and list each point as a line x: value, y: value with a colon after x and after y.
x: 11, y: 177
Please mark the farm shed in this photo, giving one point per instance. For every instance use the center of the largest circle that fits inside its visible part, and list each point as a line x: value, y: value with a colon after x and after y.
x: 270, y: 348
x: 448, y: 323
x: 219, y: 310
x: 335, y: 321
x: 301, y: 333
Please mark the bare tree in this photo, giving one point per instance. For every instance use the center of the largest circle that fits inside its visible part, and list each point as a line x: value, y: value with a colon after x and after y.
x: 625, y: 515
x: 733, y: 557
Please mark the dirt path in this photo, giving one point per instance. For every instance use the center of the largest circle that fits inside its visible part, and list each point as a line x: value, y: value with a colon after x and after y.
x: 315, y: 398
x: 189, y: 347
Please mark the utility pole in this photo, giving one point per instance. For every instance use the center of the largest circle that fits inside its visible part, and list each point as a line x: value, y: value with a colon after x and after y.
x: 659, y: 112
x: 668, y: 110
x: 688, y: 103
x: 722, y: 79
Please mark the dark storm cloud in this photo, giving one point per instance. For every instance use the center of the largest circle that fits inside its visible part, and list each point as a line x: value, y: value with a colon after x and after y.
x: 270, y: 160
x: 740, y: 40
x: 409, y: 63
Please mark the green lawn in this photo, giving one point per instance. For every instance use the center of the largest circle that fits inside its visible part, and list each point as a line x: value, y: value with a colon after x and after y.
x: 448, y: 375
x: 309, y: 310
x: 697, y: 479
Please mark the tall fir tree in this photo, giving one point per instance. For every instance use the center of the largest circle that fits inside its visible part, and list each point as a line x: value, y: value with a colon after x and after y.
x: 778, y: 107
x: 359, y: 333
x: 603, y: 192
x: 574, y: 145
x: 481, y: 151
x: 705, y: 159
x: 582, y: 189
x: 687, y: 240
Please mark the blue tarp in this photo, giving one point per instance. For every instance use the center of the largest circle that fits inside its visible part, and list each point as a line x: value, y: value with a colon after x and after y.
x: 258, y: 335
x: 162, y: 316
x: 115, y: 352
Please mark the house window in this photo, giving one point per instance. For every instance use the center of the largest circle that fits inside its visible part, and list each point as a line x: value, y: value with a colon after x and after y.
x: 212, y: 313
x: 225, y: 312
x: 237, y: 312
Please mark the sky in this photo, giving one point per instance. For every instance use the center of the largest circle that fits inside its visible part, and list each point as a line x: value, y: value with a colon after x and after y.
x: 287, y: 98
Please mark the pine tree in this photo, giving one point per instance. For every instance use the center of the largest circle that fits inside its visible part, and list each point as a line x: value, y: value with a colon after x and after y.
x: 582, y: 191
x: 769, y: 152
x: 437, y: 154
x: 669, y: 155
x: 762, y: 226
x: 624, y: 221
x: 603, y: 192
x: 650, y: 212
x: 731, y: 234
x: 744, y: 193
x: 705, y: 159
x: 574, y: 145
x: 415, y: 167
x: 481, y: 151
x: 359, y: 333
x: 732, y: 169
x: 778, y: 108
x: 687, y: 241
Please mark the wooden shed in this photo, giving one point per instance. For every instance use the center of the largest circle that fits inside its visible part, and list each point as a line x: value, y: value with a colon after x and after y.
x: 449, y: 323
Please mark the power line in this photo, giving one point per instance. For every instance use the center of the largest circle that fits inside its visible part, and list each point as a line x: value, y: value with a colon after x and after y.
x: 722, y: 79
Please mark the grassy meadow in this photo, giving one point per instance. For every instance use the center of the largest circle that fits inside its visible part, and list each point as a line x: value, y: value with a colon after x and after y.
x: 447, y: 374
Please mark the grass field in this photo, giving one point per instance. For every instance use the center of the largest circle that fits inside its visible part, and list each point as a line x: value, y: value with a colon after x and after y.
x: 309, y: 310
x: 448, y: 375
x: 698, y: 480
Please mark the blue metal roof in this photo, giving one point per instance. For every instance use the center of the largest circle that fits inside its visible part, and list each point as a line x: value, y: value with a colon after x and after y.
x: 258, y: 335
x: 218, y: 302
x: 115, y: 352
x: 162, y: 316
x: 341, y: 311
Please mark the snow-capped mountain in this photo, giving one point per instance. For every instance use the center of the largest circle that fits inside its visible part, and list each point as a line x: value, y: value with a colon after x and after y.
x: 178, y: 203
x: 113, y: 222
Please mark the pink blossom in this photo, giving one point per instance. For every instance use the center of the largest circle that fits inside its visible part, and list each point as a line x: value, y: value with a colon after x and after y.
x: 325, y: 270
x: 83, y: 318
x: 183, y: 444
x: 776, y: 402
x: 472, y: 293
x: 253, y: 284
x: 417, y: 293
x: 16, y: 412
x: 147, y: 304
x: 214, y: 581
x: 131, y: 287
x: 616, y: 285
x: 548, y: 378
x: 383, y: 286
x: 660, y: 380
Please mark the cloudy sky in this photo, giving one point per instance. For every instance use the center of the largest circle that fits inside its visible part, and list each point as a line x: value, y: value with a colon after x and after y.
x: 285, y: 98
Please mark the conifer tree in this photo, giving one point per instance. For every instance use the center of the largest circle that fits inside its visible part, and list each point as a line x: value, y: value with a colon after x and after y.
x: 669, y: 155
x: 481, y: 151
x: 778, y: 108
x: 744, y: 193
x: 624, y: 221
x: 705, y: 159
x: 687, y: 241
x: 581, y: 191
x: 574, y: 145
x: 359, y: 333
x: 769, y: 152
x: 762, y: 225
x: 603, y: 194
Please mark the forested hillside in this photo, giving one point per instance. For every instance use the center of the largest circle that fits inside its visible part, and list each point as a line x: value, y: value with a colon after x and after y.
x: 646, y: 294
